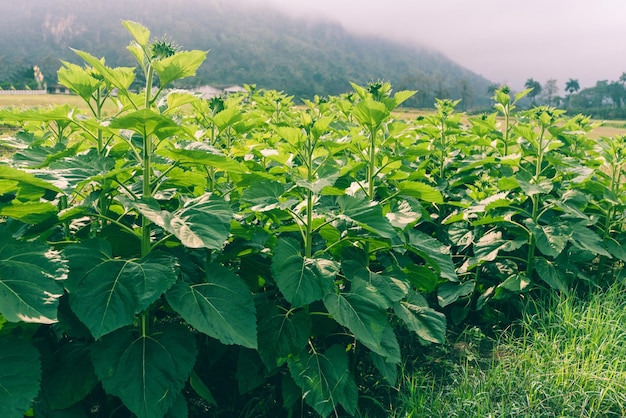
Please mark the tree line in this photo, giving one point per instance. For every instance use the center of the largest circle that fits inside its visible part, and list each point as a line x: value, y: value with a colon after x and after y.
x: 605, y: 100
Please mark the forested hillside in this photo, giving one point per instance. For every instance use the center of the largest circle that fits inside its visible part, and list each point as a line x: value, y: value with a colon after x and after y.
x: 247, y: 46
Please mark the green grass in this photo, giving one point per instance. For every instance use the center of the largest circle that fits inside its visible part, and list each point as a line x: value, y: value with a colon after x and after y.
x: 568, y: 359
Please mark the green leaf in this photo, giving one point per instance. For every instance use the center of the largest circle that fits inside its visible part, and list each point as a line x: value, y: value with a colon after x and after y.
x: 106, y: 293
x: 29, y: 212
x: 227, y: 117
x: 550, y: 274
x: 433, y: 252
x: 388, y: 370
x: 138, y: 31
x: 71, y: 377
x: 489, y: 246
x: 325, y: 380
x: 146, y: 372
x: 366, y: 214
x: 201, y: 153
x: 180, y: 65
x: 203, y: 222
x: 450, y: 292
x: 121, y: 77
x: 78, y: 80
x: 370, y: 113
x: 363, y: 311
x: 20, y: 375
x: 550, y: 239
x: 420, y: 191
x: 147, y: 122
x: 264, y: 196
x: 515, y: 283
x: 532, y: 187
x: 301, y: 280
x: 281, y: 333
x: 221, y: 306
x: 201, y: 388
x: 29, y: 280
x: 13, y: 174
x: 426, y: 322
x: 586, y: 239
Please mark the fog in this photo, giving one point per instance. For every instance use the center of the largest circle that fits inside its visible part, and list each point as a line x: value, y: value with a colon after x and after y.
x: 506, y: 41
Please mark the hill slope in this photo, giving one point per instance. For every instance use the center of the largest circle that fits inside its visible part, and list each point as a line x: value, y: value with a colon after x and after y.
x: 247, y: 45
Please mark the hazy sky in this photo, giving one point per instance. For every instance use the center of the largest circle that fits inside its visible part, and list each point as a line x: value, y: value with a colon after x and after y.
x: 506, y: 41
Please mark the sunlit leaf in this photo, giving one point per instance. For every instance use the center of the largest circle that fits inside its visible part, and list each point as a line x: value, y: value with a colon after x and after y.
x: 221, y: 306
x: 202, y: 222
x: 30, y: 280
x: 180, y: 65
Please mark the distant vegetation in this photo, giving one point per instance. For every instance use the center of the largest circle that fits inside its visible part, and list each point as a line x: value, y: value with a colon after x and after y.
x: 303, y: 58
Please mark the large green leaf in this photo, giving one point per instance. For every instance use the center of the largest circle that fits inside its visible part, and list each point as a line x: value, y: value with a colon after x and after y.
x: 147, y: 122
x: 221, y: 306
x: 450, y: 292
x: 370, y: 113
x: 281, y: 333
x: 264, y: 196
x: 420, y: 191
x: 147, y: 372
x: 301, y: 280
x: 201, y: 153
x: 548, y: 272
x: 202, y: 222
x: 13, y: 174
x: 586, y: 239
x: 29, y: 280
x: 180, y: 65
x: 138, y: 31
x: 78, y: 80
x: 120, y: 77
x: 363, y: 311
x: 433, y: 252
x: 71, y: 377
x: 19, y: 376
x: 427, y: 323
x: 325, y: 380
x: 366, y: 214
x: 550, y: 239
x: 106, y: 293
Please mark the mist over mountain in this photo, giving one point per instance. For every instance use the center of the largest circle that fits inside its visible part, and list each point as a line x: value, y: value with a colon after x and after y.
x: 247, y: 44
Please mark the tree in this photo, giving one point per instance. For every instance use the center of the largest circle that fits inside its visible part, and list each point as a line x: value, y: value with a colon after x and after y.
x: 616, y: 92
x: 572, y: 86
x: 550, y: 89
x: 536, y: 89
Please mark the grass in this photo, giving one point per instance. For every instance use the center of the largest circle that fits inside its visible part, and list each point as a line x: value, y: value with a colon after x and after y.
x: 567, y: 360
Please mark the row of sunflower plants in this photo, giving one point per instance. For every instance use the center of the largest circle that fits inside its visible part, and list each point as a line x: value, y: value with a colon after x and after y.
x: 179, y: 255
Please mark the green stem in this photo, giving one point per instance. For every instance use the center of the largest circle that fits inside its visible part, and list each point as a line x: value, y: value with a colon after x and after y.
x: 146, y: 192
x: 371, y: 174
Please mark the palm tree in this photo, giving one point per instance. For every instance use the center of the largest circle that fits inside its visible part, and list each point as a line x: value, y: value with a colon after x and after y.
x: 536, y: 89
x: 571, y: 87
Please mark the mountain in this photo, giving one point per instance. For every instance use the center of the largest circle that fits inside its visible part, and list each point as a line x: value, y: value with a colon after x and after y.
x: 248, y: 45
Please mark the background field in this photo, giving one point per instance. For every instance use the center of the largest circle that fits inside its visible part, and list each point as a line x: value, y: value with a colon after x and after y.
x: 610, y: 128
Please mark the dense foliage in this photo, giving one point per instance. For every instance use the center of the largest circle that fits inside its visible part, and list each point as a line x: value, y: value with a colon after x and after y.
x: 249, y: 45
x: 247, y: 256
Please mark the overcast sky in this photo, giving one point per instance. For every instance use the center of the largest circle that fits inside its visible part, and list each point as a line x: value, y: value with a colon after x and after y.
x: 506, y: 41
